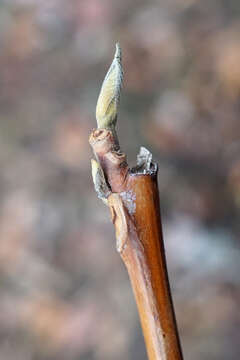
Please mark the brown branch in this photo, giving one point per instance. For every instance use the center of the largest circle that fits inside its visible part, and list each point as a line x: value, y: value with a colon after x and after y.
x: 113, y: 162
x: 135, y: 210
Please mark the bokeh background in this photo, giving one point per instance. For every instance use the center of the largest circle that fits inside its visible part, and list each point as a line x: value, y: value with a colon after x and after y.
x: 65, y: 294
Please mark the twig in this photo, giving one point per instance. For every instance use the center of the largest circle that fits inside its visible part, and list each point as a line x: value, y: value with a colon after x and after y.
x: 133, y: 199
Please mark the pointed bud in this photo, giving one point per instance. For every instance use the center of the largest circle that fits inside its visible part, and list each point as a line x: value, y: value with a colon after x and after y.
x: 108, y: 100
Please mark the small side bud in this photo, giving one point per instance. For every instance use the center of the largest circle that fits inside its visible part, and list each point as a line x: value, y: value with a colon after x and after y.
x: 108, y: 100
x: 99, y: 181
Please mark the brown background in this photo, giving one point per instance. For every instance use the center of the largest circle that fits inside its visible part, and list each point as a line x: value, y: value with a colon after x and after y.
x: 65, y: 294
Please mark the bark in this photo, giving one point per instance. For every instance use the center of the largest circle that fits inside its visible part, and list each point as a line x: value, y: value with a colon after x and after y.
x: 135, y: 211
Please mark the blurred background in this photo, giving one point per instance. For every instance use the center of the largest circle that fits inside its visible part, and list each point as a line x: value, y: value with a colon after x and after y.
x: 65, y: 294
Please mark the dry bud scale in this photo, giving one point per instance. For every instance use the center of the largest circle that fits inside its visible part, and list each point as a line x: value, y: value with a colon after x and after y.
x: 133, y: 200
x: 99, y: 181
